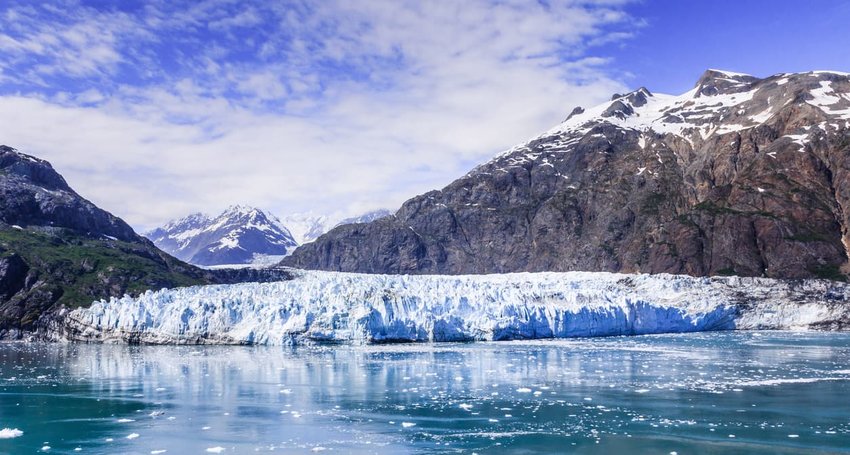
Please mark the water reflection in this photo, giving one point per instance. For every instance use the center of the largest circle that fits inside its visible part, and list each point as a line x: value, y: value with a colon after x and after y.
x: 746, y: 392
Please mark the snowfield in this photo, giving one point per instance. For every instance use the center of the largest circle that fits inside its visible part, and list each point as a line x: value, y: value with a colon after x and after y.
x: 360, y: 308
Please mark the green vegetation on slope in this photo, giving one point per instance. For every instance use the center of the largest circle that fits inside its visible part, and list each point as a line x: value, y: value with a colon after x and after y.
x: 66, y: 268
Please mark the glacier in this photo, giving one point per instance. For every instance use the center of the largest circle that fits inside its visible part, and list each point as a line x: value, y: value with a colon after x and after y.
x: 334, y: 307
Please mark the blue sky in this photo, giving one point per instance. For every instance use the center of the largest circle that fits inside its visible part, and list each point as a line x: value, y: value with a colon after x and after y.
x: 682, y: 38
x: 154, y: 109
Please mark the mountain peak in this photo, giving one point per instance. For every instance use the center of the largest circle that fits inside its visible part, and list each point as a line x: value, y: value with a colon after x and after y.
x: 235, y: 236
x: 30, y: 168
x: 714, y: 81
x: 32, y: 193
x: 239, y: 209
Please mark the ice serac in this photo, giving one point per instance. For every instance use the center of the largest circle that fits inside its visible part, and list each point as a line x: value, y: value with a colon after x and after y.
x: 740, y: 175
x: 360, y: 308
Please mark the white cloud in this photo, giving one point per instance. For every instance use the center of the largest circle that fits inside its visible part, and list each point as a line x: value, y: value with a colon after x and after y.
x: 330, y: 106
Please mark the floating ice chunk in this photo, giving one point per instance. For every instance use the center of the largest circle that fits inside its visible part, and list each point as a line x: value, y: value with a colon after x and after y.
x: 408, y: 424
x: 9, y: 433
x: 216, y: 449
x: 523, y: 390
x: 125, y: 420
x: 157, y: 452
x: 132, y: 435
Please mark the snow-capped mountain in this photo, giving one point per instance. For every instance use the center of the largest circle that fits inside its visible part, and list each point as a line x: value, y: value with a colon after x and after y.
x: 355, y: 308
x: 306, y: 227
x: 239, y: 235
x: 739, y: 176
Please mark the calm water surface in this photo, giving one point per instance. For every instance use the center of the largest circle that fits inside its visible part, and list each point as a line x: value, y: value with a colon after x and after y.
x: 698, y: 393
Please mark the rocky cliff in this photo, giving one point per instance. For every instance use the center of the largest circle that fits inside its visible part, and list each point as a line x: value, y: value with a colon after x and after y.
x: 740, y: 175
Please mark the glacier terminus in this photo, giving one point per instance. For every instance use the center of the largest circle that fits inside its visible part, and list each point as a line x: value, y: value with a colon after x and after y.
x: 335, y: 307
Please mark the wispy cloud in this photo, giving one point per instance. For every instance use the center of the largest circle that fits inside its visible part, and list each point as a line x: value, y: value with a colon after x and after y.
x: 155, y: 110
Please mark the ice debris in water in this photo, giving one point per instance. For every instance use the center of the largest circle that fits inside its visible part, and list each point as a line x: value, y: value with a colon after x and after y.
x: 9, y: 433
x: 359, y: 308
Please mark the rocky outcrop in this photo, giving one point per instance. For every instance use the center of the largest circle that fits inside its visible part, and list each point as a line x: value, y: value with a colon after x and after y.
x: 740, y: 175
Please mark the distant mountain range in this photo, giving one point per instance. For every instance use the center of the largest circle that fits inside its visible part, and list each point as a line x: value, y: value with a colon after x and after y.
x: 306, y: 227
x: 244, y: 235
x: 738, y: 176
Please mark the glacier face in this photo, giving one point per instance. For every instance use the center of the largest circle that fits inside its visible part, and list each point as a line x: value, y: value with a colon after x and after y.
x: 359, y: 308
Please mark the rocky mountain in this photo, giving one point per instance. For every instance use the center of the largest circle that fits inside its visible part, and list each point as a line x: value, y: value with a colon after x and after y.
x: 58, y: 250
x: 33, y: 194
x: 237, y: 236
x: 740, y: 175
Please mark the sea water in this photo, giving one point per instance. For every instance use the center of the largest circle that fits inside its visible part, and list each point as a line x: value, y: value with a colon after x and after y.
x: 722, y: 392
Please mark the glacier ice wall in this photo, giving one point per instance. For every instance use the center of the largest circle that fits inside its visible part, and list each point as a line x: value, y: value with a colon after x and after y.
x: 359, y: 308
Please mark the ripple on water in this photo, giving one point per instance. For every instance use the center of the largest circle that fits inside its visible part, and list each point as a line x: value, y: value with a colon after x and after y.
x: 775, y: 390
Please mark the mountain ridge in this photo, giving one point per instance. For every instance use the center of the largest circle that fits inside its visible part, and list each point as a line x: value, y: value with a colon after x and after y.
x: 740, y: 175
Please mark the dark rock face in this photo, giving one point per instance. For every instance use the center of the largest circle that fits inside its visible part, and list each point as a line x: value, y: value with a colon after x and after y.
x: 32, y: 193
x: 58, y: 250
x: 740, y: 176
